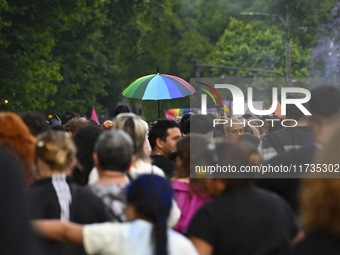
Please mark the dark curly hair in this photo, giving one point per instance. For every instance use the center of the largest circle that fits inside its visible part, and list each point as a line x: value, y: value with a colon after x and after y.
x: 36, y: 122
x: 85, y: 140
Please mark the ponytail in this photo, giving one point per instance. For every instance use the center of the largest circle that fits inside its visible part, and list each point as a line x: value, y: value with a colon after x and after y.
x: 160, y: 236
x: 152, y: 197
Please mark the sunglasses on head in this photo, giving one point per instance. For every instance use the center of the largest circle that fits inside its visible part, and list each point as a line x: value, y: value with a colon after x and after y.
x: 235, y: 131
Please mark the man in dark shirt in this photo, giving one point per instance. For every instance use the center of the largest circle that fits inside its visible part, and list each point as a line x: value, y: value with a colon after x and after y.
x: 287, y: 138
x: 325, y: 109
x: 163, y: 137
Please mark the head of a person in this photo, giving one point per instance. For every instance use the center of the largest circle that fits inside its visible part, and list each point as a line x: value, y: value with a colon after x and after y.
x: 75, y: 124
x: 202, y: 124
x: 93, y: 123
x: 255, y: 123
x: 246, y: 116
x: 17, y: 140
x: 85, y: 140
x: 150, y: 197
x: 324, y: 105
x: 113, y: 151
x: 320, y: 205
x: 233, y: 154
x: 266, y: 123
x: 234, y: 128
x: 55, y: 153
x: 67, y: 116
x: 177, y: 119
x: 249, y: 140
x: 190, y: 153
x: 59, y: 128
x: 36, y: 122
x: 293, y: 112
x: 121, y: 109
x: 248, y: 130
x: 275, y: 125
x: 137, y: 129
x: 329, y: 154
x: 163, y: 137
x: 184, y: 124
x: 320, y: 193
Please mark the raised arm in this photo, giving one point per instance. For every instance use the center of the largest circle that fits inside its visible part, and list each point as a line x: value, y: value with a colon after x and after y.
x: 60, y: 231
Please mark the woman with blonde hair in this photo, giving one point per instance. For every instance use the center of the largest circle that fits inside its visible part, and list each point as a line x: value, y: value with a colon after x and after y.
x: 320, y: 201
x: 54, y: 196
x: 16, y: 138
x: 136, y: 128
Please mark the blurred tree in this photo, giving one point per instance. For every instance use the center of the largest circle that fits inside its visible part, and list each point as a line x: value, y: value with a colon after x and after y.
x: 243, y: 46
x: 104, y: 45
x: 27, y: 70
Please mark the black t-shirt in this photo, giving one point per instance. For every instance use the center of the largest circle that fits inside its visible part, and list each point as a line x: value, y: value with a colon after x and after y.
x: 85, y: 208
x: 318, y: 244
x: 164, y: 163
x: 247, y: 220
x: 288, y: 188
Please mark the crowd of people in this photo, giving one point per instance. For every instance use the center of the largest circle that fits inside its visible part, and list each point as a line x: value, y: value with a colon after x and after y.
x: 72, y: 186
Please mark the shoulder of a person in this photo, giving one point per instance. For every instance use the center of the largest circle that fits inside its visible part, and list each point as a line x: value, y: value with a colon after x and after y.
x: 268, y: 195
x: 83, y: 193
x: 317, y: 243
x: 291, y: 156
x: 106, y: 228
x: 283, y: 158
x: 147, y: 168
x: 181, y: 242
x: 41, y: 187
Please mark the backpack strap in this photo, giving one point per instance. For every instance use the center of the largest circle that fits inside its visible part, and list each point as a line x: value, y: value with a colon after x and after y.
x: 276, y: 143
x: 129, y: 177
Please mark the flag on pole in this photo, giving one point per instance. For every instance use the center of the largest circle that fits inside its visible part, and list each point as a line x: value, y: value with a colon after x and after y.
x: 94, y: 115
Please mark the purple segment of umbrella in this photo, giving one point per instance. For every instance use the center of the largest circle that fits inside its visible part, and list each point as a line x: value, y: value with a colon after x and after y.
x: 174, y: 91
x: 156, y: 89
x: 187, y: 85
x: 184, y: 91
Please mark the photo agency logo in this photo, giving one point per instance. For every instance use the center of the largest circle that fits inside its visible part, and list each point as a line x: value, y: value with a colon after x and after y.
x: 271, y: 103
x: 238, y: 105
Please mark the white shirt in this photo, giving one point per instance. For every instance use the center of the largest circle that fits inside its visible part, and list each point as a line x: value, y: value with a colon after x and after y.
x: 131, y: 238
x: 140, y: 169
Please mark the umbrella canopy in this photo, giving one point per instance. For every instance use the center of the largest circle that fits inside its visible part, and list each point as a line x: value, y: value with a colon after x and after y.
x: 158, y: 87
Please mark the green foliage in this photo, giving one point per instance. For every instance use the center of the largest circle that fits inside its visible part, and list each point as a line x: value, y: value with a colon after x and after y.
x: 242, y: 45
x: 107, y: 44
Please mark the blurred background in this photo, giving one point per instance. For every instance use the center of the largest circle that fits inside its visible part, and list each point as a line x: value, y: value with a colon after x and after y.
x: 58, y: 55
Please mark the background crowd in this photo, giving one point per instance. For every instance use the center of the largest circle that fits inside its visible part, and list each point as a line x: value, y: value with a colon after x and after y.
x: 71, y: 186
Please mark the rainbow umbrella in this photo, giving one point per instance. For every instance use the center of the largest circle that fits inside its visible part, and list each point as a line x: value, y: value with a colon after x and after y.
x: 158, y: 87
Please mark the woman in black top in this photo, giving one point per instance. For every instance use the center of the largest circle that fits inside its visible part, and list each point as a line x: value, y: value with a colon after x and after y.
x: 241, y: 219
x: 54, y: 196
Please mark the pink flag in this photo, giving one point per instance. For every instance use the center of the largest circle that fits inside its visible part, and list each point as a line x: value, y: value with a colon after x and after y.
x: 168, y: 116
x: 94, y: 115
x: 85, y: 117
